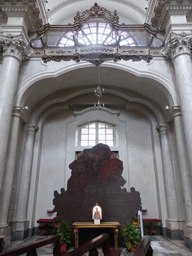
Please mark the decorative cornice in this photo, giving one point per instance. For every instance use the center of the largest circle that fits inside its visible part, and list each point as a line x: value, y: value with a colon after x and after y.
x: 97, y: 12
x: 164, y: 8
x: 96, y: 55
x: 32, y: 10
x: 99, y: 108
x: 14, y: 46
x: 177, y: 45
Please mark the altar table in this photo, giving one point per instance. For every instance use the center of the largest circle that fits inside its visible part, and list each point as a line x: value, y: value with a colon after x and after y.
x: 78, y: 225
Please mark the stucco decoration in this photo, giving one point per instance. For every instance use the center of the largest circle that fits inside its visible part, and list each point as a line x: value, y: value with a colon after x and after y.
x: 96, y: 177
x: 75, y: 41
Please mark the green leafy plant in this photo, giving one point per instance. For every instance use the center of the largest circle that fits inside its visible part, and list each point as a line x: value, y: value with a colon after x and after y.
x: 64, y: 231
x: 132, y: 235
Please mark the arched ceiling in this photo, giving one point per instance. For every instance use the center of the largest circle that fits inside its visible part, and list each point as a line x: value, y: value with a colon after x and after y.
x: 62, y: 12
x: 76, y: 87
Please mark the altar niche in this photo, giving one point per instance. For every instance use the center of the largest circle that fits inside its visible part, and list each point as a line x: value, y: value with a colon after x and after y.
x: 96, y: 177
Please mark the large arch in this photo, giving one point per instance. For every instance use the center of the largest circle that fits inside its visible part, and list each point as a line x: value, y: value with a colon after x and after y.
x: 138, y: 85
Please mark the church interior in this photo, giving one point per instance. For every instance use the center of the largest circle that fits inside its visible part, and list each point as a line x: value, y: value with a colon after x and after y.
x: 78, y: 75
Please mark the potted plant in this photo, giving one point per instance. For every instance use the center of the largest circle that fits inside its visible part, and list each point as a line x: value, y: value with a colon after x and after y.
x: 64, y: 231
x: 132, y: 236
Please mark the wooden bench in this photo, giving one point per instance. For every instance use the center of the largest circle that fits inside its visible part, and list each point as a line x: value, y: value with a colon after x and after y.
x: 30, y: 249
x: 92, y: 245
x: 144, y: 249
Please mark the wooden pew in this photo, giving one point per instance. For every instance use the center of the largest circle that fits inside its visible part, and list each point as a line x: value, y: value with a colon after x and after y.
x: 1, y: 244
x: 30, y: 249
x: 92, y: 245
x: 144, y: 249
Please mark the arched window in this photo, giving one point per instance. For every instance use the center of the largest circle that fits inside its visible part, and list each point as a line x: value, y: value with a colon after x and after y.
x: 97, y: 132
x: 97, y: 33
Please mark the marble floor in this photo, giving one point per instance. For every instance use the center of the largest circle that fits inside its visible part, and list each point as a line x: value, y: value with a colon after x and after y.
x: 161, y: 246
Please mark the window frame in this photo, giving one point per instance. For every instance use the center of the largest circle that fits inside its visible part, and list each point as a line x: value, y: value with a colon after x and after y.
x: 107, y: 125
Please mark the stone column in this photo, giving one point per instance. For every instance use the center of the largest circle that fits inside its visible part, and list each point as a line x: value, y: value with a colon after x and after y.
x: 172, y: 209
x: 178, y: 48
x: 13, y: 52
x: 183, y: 163
x: 18, y: 113
x: 21, y: 224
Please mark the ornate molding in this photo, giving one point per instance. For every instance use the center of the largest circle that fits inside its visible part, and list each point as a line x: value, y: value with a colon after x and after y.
x: 178, y: 44
x: 96, y: 55
x: 14, y: 46
x: 164, y: 8
x: 32, y: 10
x: 97, y: 12
x: 99, y: 108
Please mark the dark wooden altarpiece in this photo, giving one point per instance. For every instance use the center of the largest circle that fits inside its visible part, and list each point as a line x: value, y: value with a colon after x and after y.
x: 96, y: 177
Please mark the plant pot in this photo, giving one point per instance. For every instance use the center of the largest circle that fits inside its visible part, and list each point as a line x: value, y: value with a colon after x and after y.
x: 133, y: 248
x: 63, y: 248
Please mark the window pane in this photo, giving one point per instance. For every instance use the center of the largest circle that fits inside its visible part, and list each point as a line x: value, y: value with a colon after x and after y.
x: 101, y: 137
x: 91, y: 143
x: 110, y: 143
x: 109, y: 137
x: 84, y: 137
x: 84, y: 143
x: 91, y: 137
x: 109, y: 131
x: 84, y: 131
x: 91, y: 131
x: 92, y: 125
x: 101, y: 125
x: 101, y: 131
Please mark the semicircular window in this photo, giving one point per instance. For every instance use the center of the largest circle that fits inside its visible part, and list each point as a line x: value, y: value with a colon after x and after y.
x: 97, y: 33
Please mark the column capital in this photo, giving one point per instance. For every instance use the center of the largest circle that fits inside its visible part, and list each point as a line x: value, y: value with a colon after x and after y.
x: 32, y: 128
x: 14, y: 46
x: 173, y: 112
x: 162, y: 128
x: 20, y: 113
x: 178, y: 44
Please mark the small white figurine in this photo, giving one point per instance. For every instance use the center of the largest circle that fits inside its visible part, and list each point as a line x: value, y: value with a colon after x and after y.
x: 97, y: 214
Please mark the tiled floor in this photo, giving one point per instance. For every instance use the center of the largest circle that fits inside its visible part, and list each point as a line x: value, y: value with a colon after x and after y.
x: 160, y: 245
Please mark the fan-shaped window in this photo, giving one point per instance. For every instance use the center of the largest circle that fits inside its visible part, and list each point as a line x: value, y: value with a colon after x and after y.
x: 97, y: 33
x: 93, y: 133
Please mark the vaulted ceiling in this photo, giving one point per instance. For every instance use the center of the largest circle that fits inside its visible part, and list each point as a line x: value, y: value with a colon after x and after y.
x: 129, y: 11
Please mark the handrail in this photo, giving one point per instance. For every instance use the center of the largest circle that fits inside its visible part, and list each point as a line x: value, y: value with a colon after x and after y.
x: 144, y: 249
x: 30, y: 249
x: 91, y: 246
